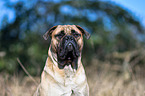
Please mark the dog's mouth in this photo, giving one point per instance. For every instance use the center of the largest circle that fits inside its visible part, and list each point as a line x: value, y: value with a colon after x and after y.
x: 69, y: 51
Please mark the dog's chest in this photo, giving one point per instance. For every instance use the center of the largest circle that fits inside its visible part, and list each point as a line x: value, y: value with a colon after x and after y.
x: 69, y: 75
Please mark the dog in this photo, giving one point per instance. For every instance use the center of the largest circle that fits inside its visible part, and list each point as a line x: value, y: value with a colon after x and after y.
x: 63, y: 74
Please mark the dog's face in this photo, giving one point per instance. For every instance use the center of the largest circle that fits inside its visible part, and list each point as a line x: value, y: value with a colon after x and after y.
x: 67, y: 43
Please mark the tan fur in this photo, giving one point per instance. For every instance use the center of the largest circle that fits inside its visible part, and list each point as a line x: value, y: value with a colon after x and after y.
x: 66, y: 81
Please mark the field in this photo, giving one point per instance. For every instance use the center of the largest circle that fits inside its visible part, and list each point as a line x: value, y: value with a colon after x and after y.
x: 103, y: 78
x: 113, y: 58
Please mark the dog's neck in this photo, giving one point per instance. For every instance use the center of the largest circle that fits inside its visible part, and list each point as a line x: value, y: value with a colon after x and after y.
x: 60, y: 63
x: 67, y: 73
x: 53, y: 58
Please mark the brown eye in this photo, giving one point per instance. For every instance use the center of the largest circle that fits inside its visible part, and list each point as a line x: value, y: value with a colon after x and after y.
x: 75, y: 34
x: 60, y: 35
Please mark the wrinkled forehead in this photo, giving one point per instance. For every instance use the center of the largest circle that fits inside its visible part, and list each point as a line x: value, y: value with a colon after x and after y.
x: 66, y: 28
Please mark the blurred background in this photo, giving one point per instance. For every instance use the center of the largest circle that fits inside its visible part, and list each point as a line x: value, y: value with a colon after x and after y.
x: 114, y: 56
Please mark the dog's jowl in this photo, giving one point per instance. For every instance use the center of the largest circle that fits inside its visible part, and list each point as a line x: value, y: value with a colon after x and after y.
x: 63, y: 74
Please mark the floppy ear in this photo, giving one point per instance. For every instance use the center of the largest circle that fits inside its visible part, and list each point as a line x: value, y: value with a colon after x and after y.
x: 49, y: 32
x: 84, y: 32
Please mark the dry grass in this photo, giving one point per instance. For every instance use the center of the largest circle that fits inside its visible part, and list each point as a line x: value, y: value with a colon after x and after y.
x: 103, y: 81
x: 107, y: 82
x: 14, y: 86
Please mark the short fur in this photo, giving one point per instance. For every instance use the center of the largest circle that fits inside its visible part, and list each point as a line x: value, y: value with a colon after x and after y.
x: 64, y: 78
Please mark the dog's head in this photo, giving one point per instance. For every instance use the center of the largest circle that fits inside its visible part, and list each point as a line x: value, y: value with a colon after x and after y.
x: 67, y: 43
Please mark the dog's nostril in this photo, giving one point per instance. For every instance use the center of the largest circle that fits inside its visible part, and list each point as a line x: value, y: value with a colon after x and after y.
x: 69, y: 44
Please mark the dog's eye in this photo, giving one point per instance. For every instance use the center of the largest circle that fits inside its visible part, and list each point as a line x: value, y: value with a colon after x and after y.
x: 75, y: 34
x: 60, y: 35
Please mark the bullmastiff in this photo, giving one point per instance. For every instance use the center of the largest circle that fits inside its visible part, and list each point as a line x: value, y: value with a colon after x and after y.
x: 63, y: 74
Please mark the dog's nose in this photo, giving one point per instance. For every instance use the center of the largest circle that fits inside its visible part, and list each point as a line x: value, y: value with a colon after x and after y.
x: 70, y: 47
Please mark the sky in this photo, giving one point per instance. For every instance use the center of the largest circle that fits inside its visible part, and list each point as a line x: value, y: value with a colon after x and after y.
x: 137, y: 7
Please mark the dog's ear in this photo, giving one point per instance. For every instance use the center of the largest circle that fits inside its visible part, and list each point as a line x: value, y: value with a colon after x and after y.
x: 49, y: 32
x: 84, y: 32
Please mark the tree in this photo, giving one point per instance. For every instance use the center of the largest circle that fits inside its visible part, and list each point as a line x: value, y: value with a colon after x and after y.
x: 112, y: 29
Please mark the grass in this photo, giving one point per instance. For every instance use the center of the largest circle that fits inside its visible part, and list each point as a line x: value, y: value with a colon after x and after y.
x: 104, y: 80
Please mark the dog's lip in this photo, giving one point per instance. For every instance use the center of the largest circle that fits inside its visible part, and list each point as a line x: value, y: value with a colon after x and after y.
x: 68, y: 54
x: 68, y: 51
